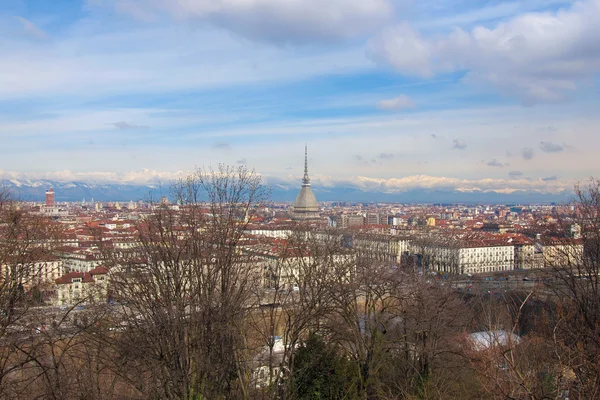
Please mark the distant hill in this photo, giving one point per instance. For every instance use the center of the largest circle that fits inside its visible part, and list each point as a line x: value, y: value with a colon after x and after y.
x: 34, y: 190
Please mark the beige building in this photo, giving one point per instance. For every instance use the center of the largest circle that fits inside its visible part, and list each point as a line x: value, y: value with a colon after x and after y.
x: 525, y: 257
x: 346, y: 220
x: 286, y: 269
x: 84, y: 287
x: 558, y: 252
x: 38, y: 273
x: 373, y: 219
x: 386, y: 248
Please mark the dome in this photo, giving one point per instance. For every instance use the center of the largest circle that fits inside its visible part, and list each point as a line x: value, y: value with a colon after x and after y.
x: 306, y: 200
x: 306, y: 206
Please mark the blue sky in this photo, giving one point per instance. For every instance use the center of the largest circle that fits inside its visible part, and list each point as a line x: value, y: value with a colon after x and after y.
x: 389, y: 94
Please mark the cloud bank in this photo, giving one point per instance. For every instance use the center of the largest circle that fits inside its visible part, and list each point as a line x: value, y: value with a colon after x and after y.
x: 536, y: 57
x: 369, y: 184
x: 275, y: 21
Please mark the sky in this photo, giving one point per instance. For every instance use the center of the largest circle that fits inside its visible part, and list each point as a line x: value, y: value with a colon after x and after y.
x: 388, y: 95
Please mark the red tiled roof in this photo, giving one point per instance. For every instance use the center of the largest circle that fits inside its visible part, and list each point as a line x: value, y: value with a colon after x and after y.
x: 99, y: 271
x: 68, y: 278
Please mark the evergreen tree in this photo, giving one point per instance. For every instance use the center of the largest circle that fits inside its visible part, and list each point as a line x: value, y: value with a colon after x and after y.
x: 320, y: 372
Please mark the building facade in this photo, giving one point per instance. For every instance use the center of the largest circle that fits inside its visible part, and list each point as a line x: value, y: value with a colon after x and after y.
x: 50, y: 198
x: 34, y: 274
x: 84, y: 287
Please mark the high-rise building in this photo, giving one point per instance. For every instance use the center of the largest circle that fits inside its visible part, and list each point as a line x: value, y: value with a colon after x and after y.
x: 305, y: 207
x: 373, y: 219
x: 354, y: 220
x: 50, y: 198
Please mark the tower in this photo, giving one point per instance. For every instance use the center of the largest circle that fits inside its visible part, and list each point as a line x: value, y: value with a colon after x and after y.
x: 305, y: 207
x: 50, y: 198
x: 305, y: 179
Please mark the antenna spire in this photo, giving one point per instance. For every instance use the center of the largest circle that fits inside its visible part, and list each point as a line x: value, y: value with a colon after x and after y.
x: 306, y: 179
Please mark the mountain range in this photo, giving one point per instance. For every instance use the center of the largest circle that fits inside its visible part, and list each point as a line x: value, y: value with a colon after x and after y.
x: 34, y: 190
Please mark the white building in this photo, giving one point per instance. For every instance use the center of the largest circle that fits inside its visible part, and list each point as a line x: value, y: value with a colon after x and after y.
x: 471, y: 258
x: 272, y: 233
x: 477, y: 252
x: 81, y: 261
x: 476, y: 259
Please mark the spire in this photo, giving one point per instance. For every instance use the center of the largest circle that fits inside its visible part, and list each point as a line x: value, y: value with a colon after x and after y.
x: 306, y: 179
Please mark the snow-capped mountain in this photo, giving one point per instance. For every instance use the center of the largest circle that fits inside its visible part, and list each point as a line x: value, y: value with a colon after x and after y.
x: 34, y: 190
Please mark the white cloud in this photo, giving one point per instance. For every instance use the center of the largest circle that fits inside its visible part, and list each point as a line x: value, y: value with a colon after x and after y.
x: 398, y: 103
x: 397, y: 185
x: 439, y: 182
x: 289, y: 21
x: 178, y: 140
x: 538, y: 57
x: 143, y: 176
x: 87, y: 63
x: 404, y: 49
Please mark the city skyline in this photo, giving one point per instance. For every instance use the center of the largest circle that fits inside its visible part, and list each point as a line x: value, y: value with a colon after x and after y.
x: 389, y: 95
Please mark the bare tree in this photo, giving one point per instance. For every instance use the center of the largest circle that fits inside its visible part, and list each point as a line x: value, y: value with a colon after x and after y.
x: 184, y: 291
x: 397, y: 328
x: 26, y: 239
x: 574, y: 269
x: 367, y: 298
x: 506, y: 363
x: 296, y: 299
